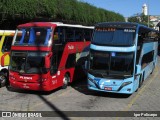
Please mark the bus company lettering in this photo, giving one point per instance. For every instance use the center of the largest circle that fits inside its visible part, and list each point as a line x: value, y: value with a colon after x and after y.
x: 70, y: 47
x: 54, y: 82
x: 26, y: 78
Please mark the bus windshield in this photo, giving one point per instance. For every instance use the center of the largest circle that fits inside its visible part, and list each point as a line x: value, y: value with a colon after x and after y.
x: 112, y: 63
x: 28, y: 62
x: 114, y: 36
x: 33, y: 36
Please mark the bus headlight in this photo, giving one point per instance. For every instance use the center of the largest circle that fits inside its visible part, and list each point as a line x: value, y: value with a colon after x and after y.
x: 90, y: 79
x: 93, y: 81
x: 12, y: 77
x: 124, y: 84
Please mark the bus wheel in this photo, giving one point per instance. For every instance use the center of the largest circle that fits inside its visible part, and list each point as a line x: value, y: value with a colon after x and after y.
x: 153, y: 69
x: 141, y: 80
x: 140, y: 83
x: 3, y: 79
x: 65, y: 81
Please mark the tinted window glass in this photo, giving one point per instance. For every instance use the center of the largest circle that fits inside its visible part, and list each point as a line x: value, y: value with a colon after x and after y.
x: 33, y: 36
x: 71, y: 61
x: 7, y: 43
x: 114, y: 36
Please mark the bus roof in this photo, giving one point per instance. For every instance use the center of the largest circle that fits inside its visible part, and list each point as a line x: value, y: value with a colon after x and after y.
x: 52, y: 24
x: 117, y: 24
x: 122, y: 25
x: 72, y: 25
x: 7, y: 32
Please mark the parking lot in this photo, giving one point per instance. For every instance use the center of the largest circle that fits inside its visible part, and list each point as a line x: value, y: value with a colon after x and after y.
x: 78, y: 98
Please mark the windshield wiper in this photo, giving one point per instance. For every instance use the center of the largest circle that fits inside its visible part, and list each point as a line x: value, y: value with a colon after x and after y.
x: 107, y: 75
x: 127, y: 76
x: 121, y: 76
x: 100, y: 74
x: 95, y: 73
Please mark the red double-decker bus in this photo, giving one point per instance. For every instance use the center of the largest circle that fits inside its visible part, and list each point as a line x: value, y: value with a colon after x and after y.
x: 48, y: 55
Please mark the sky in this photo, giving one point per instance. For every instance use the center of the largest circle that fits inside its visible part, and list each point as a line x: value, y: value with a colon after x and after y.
x: 127, y: 8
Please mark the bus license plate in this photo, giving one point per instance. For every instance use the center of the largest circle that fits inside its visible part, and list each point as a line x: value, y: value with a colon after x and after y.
x: 108, y: 88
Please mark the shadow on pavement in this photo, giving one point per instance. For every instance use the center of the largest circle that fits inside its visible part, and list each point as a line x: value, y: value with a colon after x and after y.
x: 81, y: 86
x: 33, y: 92
x: 54, y: 108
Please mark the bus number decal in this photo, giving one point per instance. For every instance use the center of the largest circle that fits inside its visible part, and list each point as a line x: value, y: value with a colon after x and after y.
x: 129, y: 30
x: 54, y: 82
x: 70, y: 47
x: 26, y: 78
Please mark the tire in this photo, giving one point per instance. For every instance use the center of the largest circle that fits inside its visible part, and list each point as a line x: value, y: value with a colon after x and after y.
x: 3, y: 79
x: 9, y: 88
x: 66, y: 80
x: 153, y: 69
x: 142, y: 80
x: 139, y: 84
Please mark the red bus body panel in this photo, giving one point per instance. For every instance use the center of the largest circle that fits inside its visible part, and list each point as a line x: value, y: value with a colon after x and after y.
x: 37, y: 24
x: 30, y: 48
x: 35, y: 82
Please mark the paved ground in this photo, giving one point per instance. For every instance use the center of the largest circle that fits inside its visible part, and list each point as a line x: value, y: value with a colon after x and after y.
x: 77, y: 98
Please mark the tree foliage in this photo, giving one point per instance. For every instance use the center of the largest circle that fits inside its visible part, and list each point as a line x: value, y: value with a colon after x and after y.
x: 69, y: 10
x: 140, y: 18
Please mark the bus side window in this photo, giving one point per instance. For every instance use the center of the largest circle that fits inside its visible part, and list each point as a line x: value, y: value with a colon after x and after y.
x: 69, y: 35
x: 7, y: 43
x: 71, y: 61
x: 0, y: 38
x: 141, y: 38
x: 147, y: 58
x: 54, y: 64
x: 79, y: 34
x: 26, y: 37
x: 58, y: 36
x: 87, y: 35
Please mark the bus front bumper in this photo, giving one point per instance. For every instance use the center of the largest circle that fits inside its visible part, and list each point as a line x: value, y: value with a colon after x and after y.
x: 31, y: 86
x: 124, y: 88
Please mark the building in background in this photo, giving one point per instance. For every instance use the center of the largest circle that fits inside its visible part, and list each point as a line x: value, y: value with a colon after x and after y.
x: 158, y: 26
x: 145, y: 9
x: 155, y: 19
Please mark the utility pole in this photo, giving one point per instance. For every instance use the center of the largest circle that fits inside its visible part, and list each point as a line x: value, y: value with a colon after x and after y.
x: 148, y: 13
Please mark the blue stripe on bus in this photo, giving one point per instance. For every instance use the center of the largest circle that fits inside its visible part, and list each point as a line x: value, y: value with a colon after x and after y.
x: 117, y: 49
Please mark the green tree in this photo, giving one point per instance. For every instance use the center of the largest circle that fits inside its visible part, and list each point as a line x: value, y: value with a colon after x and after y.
x: 140, y: 18
x: 65, y: 10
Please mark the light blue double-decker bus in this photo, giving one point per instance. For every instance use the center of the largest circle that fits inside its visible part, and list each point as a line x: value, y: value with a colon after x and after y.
x: 122, y: 56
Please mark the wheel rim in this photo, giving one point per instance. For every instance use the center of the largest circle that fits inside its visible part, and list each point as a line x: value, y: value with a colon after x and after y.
x: 65, y: 80
x: 2, y: 79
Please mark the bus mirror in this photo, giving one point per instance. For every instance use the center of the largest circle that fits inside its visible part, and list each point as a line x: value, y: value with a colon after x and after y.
x: 137, y: 74
x: 136, y: 70
x: 3, y: 59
